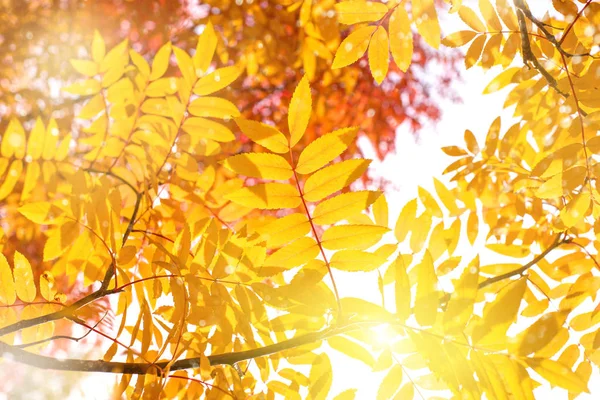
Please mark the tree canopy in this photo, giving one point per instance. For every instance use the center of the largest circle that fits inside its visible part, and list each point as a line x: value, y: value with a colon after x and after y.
x: 198, y: 206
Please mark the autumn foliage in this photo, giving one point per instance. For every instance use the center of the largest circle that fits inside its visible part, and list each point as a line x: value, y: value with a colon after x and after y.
x: 201, y: 232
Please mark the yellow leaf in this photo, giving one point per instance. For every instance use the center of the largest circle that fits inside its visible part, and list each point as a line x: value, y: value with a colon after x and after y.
x: 356, y: 11
x: 13, y: 141
x: 59, y: 239
x: 35, y: 144
x: 470, y: 18
x: 50, y: 140
x: 161, y: 61
x: 356, y: 260
x: 205, y: 49
x: 162, y: 87
x: 460, y: 306
x: 349, y: 394
x: 351, y: 349
x: 85, y: 67
x: 429, y: 202
x: 401, y: 40
x: 25, y: 286
x: 325, y: 149
x: 459, y: 38
x: 427, y: 296
x: 426, y: 20
x: 474, y: 51
x: 297, y: 253
x: 266, y: 196
x: 502, y: 80
x: 402, y: 289
x: 391, y: 383
x: 471, y: 142
x: 47, y: 288
x: 320, y: 378
x: 489, y: 15
x: 214, y: 107
x: 507, y: 14
x: 420, y: 231
x: 140, y: 63
x: 11, y: 178
x: 333, y: 178
x: 472, y: 227
x: 500, y: 314
x: 552, y: 188
x: 186, y: 66
x: 406, y: 392
x: 115, y: 61
x: 379, y: 57
x: 353, y: 47
x: 510, y: 250
x: 7, y: 284
x: 299, y: 111
x: 284, y: 230
x: 260, y: 165
x: 344, y: 205
x: 380, y: 211
x: 87, y: 87
x: 40, y: 212
x: 98, y: 47
x: 540, y: 333
x: 575, y: 210
x: 217, y: 80
x: 406, y: 219
x: 557, y: 374
x: 266, y: 135
x: 446, y: 196
x: 352, y: 236
x: 205, y: 128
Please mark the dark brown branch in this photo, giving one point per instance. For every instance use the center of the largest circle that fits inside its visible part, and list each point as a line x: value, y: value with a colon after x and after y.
x: 529, y: 57
x: 519, y: 271
x: 520, y: 5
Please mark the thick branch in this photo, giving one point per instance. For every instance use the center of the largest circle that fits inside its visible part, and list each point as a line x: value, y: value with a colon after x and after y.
x: 46, y: 362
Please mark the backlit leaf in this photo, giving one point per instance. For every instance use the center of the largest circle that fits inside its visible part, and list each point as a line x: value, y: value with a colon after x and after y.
x: 266, y: 135
x: 352, y: 236
x: 351, y: 349
x: 500, y: 314
x: 401, y: 40
x: 379, y: 54
x: 342, y: 206
x: 217, y: 80
x: 557, y: 374
x: 355, y: 11
x: 266, y: 196
x: 390, y: 384
x: 353, y: 47
x: 260, y: 165
x: 333, y: 178
x: 299, y: 111
x: 425, y: 18
x: 324, y: 149
x: 25, y: 286
x: 7, y: 284
x: 356, y: 260
x: 427, y: 298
